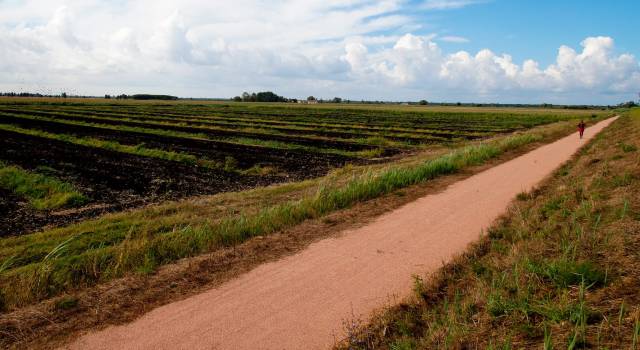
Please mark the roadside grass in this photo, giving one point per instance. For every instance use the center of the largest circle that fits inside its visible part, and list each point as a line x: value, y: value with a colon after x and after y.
x: 558, y: 271
x: 139, y: 241
x: 139, y: 150
x: 42, y: 191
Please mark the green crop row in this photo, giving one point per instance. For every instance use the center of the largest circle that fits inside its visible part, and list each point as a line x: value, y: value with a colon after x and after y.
x: 42, y: 191
x: 139, y: 150
x: 249, y: 132
x: 244, y: 141
x: 284, y: 126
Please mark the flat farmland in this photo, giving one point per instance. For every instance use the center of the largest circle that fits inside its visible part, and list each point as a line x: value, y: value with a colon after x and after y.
x: 61, y: 162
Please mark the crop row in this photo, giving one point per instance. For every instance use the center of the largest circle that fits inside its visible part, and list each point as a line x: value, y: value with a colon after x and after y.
x: 322, y: 144
x: 42, y: 191
x: 343, y: 117
x: 334, y: 129
x: 184, y: 133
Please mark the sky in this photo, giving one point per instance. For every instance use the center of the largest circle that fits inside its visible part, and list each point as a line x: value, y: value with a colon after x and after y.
x: 504, y: 51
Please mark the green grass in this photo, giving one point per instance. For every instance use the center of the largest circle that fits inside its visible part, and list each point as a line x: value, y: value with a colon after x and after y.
x: 92, y: 252
x: 43, y: 192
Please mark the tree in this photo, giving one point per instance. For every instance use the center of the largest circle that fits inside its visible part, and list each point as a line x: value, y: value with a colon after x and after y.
x: 423, y: 102
x: 246, y: 97
x: 336, y: 100
x: 311, y: 98
x: 629, y: 104
x: 63, y: 95
x: 107, y: 97
x: 237, y: 99
x: 268, y: 96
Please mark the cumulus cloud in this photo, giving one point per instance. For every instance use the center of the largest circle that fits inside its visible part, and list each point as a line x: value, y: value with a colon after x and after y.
x: 416, y: 61
x: 353, y: 48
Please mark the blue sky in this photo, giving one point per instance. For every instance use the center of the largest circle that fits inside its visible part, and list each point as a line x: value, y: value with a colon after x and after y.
x: 535, y: 29
x: 582, y: 52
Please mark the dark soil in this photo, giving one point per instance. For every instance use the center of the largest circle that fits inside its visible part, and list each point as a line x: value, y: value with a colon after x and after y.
x: 346, y: 133
x: 348, y: 146
x: 15, y: 211
x: 297, y: 164
x: 111, y: 180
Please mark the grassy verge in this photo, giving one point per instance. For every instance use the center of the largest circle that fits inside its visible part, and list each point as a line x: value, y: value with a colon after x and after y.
x: 45, y: 264
x: 559, y: 271
x: 138, y: 150
x: 43, y: 192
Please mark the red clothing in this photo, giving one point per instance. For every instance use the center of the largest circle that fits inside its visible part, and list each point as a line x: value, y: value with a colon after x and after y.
x: 581, y: 128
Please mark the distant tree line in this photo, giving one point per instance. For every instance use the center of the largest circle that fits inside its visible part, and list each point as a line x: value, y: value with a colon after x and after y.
x: 31, y: 94
x: 142, y: 97
x: 263, y: 96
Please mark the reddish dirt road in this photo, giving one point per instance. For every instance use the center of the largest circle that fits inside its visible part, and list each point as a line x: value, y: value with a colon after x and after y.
x: 301, y: 302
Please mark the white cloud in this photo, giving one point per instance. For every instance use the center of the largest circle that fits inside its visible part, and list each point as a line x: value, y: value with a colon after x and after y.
x: 353, y: 48
x: 454, y: 39
x: 449, y: 4
x: 418, y: 62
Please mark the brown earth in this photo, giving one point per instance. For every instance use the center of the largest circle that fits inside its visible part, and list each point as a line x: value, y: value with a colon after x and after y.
x: 301, y: 301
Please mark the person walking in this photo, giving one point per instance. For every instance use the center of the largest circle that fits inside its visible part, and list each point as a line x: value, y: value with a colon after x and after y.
x: 581, y: 127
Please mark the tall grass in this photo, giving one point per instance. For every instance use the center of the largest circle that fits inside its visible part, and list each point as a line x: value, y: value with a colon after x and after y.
x: 87, y: 262
x: 43, y: 192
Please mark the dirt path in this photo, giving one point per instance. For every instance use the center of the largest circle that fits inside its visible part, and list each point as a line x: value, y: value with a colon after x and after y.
x: 302, y: 301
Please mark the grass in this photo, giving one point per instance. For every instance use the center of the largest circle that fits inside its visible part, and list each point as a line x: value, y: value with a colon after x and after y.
x: 138, y: 150
x: 140, y: 241
x: 559, y: 270
x: 42, y: 191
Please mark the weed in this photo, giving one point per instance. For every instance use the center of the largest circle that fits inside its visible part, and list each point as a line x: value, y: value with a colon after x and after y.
x: 523, y: 196
x: 43, y: 192
x: 626, y: 148
x: 564, y: 273
x: 230, y: 164
x: 67, y: 303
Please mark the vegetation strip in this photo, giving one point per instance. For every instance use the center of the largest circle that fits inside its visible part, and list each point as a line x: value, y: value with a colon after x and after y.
x: 117, y: 147
x: 560, y: 270
x: 286, y: 126
x: 243, y: 141
x: 43, y: 192
x: 203, y: 130
x: 45, y: 264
